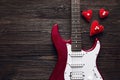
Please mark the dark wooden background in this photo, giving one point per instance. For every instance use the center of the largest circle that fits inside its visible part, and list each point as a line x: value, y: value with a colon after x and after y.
x: 26, y: 49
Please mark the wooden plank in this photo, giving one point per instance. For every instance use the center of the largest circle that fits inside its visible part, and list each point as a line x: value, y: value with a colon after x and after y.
x: 26, y: 49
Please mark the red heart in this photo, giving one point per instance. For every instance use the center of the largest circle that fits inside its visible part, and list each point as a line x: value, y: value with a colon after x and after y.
x: 87, y: 14
x: 103, y: 13
x: 96, y: 28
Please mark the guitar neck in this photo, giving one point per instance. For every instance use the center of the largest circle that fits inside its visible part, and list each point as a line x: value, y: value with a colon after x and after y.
x: 75, y: 25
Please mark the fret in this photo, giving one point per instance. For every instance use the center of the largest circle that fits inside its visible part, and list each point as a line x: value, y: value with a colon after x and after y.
x: 76, y: 28
x: 74, y: 34
x: 75, y: 17
x: 75, y: 1
x: 76, y: 31
x: 76, y: 45
x: 75, y: 9
x: 76, y: 41
x: 75, y: 24
x: 75, y: 13
x: 74, y: 5
x: 75, y: 37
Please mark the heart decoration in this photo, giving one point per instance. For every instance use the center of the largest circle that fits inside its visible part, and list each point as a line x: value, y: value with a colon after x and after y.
x: 87, y: 14
x: 103, y: 13
x: 96, y: 28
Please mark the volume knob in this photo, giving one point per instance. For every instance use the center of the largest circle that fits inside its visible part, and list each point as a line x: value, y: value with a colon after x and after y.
x: 90, y: 78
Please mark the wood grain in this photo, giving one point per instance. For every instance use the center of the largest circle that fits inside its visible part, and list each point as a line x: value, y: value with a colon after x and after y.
x: 26, y: 49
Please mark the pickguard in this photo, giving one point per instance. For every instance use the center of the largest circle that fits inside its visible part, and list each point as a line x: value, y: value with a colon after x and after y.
x: 81, y: 65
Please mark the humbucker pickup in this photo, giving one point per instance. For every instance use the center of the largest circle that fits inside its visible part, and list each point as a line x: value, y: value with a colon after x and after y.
x: 77, y: 76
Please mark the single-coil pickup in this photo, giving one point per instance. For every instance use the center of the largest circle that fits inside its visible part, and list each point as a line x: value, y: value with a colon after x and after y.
x: 77, y: 65
x: 77, y: 54
x: 77, y: 75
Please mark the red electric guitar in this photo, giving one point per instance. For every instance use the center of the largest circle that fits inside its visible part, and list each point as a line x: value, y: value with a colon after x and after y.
x: 73, y: 62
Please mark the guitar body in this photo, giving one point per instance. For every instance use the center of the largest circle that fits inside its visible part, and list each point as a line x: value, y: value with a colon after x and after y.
x: 78, y: 65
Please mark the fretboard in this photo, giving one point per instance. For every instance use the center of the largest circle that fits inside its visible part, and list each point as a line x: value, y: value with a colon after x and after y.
x: 75, y: 25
